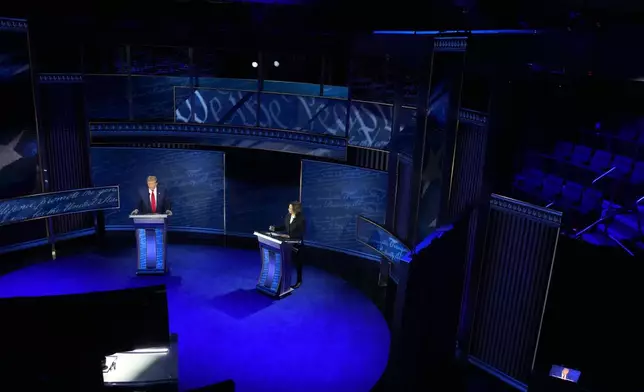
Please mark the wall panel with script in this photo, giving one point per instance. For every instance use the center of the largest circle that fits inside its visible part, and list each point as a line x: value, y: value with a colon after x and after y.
x: 46, y: 205
x: 333, y: 196
x: 193, y: 180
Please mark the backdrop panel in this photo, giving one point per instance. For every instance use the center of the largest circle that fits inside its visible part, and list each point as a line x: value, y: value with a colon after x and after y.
x: 107, y: 97
x: 370, y: 124
x: 444, y: 102
x: 335, y: 91
x: 159, y: 60
x: 65, y: 141
x: 227, y: 83
x: 156, y: 97
x: 278, y: 86
x: 325, y: 116
x: 273, y: 86
x: 513, y: 281
x: 18, y: 138
x: 304, y: 113
x: 403, y: 140
x: 257, y: 198
x: 153, y: 96
x: 469, y: 160
x: 217, y: 106
x: 19, y: 173
x: 194, y: 181
x: 404, y: 180
x: 333, y: 196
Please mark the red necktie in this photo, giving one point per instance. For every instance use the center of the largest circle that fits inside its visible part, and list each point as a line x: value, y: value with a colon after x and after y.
x: 153, y: 202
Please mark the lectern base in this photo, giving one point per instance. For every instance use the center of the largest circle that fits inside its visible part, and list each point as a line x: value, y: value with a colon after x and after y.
x: 150, y: 272
x: 264, y: 290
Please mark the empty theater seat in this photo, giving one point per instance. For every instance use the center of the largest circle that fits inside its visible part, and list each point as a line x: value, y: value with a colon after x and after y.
x: 627, y: 134
x: 626, y: 227
x: 624, y: 189
x: 591, y: 201
x: 530, y: 180
x: 601, y: 161
x: 552, y: 187
x: 528, y: 184
x: 562, y: 150
x: 571, y: 195
x: 637, y: 176
x: 581, y: 155
x: 632, y: 220
x: 623, y: 165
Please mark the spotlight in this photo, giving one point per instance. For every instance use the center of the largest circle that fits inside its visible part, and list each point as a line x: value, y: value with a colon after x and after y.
x: 254, y: 64
x: 276, y: 63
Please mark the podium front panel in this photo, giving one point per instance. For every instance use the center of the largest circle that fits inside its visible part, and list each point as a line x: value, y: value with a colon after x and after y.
x: 150, y: 243
x: 270, y: 276
x: 150, y: 231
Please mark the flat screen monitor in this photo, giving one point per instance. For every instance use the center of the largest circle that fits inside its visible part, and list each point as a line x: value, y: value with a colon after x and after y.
x: 564, y: 373
x: 377, y: 238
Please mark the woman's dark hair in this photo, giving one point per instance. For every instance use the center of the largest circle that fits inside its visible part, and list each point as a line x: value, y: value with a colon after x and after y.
x: 297, y: 206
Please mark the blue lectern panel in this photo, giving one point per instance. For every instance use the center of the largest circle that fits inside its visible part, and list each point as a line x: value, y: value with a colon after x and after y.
x: 143, y: 249
x: 160, y: 249
x: 270, y: 277
x: 151, y: 250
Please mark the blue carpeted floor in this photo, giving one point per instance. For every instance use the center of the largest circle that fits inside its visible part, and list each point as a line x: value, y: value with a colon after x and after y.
x: 327, y: 336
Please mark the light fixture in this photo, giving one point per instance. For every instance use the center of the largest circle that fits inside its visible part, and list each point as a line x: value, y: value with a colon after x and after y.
x: 254, y: 64
x: 276, y: 63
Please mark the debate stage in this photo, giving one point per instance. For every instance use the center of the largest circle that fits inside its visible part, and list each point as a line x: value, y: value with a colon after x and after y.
x: 326, y: 336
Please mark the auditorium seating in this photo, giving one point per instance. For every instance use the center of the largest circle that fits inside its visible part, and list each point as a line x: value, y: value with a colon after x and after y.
x: 552, y: 187
x: 580, y: 155
x: 623, y: 166
x: 601, y: 161
x: 627, y: 134
x: 571, y: 177
x: 563, y: 150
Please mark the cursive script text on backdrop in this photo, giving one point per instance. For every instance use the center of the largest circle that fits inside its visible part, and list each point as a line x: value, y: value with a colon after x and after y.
x: 58, y: 203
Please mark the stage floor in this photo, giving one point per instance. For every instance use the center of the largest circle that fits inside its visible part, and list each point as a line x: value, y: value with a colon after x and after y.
x: 327, y: 336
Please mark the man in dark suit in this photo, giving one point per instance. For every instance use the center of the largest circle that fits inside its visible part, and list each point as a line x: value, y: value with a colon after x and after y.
x: 294, y: 227
x: 153, y: 199
x: 564, y: 374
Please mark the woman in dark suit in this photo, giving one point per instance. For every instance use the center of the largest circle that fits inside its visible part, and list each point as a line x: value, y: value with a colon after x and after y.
x: 294, y: 226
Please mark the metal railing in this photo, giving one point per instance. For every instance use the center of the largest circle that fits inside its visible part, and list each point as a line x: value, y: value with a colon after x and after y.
x: 610, y: 216
x: 607, y: 172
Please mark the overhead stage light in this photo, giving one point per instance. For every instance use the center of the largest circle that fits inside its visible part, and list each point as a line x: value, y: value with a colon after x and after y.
x: 276, y: 63
x: 254, y: 64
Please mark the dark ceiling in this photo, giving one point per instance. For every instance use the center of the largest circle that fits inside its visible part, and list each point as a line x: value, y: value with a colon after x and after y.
x: 583, y: 41
x: 335, y: 15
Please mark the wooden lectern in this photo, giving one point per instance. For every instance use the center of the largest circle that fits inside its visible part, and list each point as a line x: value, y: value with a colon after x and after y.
x: 150, y: 233
x: 276, y: 251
